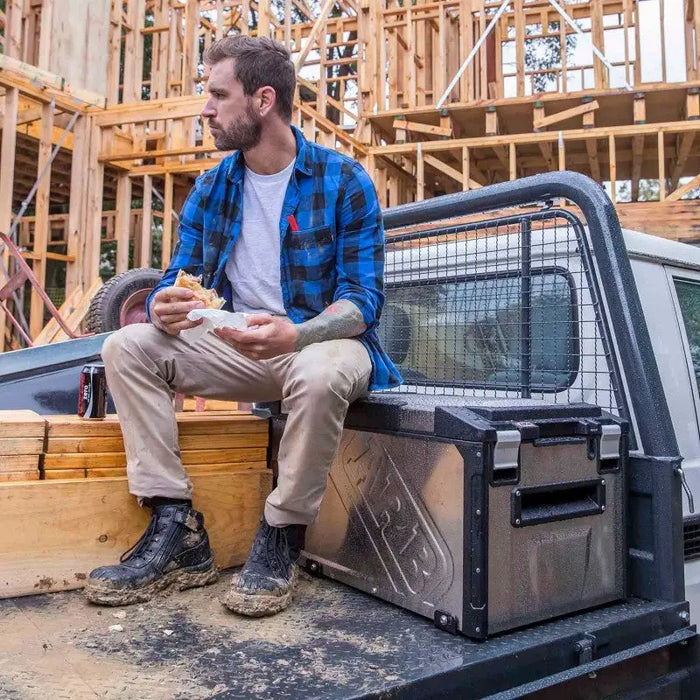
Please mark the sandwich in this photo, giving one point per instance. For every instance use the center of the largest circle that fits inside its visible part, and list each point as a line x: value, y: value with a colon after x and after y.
x: 208, y: 297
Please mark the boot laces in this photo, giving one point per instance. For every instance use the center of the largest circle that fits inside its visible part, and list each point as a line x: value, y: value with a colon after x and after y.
x: 144, y: 545
x: 272, y: 547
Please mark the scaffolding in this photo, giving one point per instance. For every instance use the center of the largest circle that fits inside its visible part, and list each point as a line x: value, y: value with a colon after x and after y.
x: 431, y: 97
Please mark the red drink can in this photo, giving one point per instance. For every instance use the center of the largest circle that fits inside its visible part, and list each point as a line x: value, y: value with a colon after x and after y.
x: 92, y: 397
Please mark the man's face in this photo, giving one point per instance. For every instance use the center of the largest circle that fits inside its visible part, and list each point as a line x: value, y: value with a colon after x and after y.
x: 233, y: 119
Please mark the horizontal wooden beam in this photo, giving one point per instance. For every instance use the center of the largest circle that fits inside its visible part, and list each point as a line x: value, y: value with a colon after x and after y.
x: 171, y: 108
x: 546, y: 136
x: 161, y: 153
x: 45, y: 86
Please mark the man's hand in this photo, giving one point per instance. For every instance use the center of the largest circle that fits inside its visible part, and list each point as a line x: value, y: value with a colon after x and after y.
x: 272, y: 337
x: 169, y: 309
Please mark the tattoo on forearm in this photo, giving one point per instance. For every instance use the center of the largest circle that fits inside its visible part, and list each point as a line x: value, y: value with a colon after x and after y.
x: 341, y: 319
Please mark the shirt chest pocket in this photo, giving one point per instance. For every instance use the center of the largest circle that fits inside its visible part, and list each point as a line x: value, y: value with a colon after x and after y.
x: 312, y: 249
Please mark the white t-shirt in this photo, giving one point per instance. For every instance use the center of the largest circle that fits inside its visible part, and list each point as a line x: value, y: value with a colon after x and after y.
x: 253, y: 267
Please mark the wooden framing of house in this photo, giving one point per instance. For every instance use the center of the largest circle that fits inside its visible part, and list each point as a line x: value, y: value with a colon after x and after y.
x: 120, y: 87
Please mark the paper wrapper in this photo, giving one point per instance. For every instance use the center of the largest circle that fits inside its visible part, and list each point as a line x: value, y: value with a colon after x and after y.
x: 213, y: 318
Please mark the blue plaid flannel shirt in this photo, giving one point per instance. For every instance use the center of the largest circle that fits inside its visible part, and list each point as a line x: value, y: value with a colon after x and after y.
x: 338, y: 252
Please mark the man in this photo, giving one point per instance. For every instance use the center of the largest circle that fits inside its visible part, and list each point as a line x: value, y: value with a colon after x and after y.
x: 290, y: 233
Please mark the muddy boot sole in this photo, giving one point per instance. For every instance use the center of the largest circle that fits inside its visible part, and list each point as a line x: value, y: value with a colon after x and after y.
x: 101, y: 594
x: 257, y: 604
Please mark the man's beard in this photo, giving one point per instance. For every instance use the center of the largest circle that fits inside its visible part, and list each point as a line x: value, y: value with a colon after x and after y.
x: 241, y: 135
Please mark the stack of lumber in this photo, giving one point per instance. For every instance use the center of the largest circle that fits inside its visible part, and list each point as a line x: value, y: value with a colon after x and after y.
x: 54, y: 531
x: 21, y: 445
x: 220, y: 442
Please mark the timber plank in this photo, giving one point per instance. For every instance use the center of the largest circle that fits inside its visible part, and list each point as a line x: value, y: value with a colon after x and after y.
x: 53, y: 533
x: 188, y: 424
x: 101, y: 473
x: 27, y: 475
x: 18, y: 463
x: 118, y: 459
x: 21, y: 423
x: 187, y: 442
x: 22, y: 446
x: 72, y: 473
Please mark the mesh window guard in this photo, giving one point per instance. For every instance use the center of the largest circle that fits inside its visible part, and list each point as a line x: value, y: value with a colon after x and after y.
x: 503, y: 307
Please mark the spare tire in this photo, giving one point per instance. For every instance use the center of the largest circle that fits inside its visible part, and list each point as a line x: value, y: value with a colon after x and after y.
x: 121, y: 301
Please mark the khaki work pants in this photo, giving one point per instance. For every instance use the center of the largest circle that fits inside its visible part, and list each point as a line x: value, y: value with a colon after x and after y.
x: 316, y: 385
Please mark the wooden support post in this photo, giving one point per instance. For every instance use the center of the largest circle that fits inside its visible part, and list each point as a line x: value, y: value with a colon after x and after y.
x: 46, y: 33
x: 420, y: 175
x: 637, y: 159
x: 692, y: 100
x: 593, y: 162
x: 90, y: 267
x: 600, y: 72
x: 562, y: 152
x: 41, y: 226
x: 263, y: 17
x: 466, y: 42
x: 639, y: 108
x: 77, y: 207
x: 189, y: 56
x: 512, y: 161
x: 491, y: 121
x: 219, y: 30
x: 662, y: 167
x: 613, y: 167
x: 440, y: 66
x: 145, y: 247
x: 411, y: 59
x: 537, y: 115
x: 519, y: 17
x: 13, y: 32
x: 167, y: 245
x: 115, y: 41
x: 465, y: 168
x: 7, y: 158
x: 133, y: 52
x: 287, y: 24
x: 123, y: 221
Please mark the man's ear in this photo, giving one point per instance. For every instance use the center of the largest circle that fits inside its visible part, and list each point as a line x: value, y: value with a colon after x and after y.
x: 268, y: 99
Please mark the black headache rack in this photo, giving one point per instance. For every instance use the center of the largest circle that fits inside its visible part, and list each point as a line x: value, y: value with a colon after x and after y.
x: 499, y: 313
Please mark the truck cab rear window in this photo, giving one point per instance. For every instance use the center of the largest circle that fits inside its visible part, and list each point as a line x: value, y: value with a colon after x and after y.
x: 689, y: 302
x: 474, y: 332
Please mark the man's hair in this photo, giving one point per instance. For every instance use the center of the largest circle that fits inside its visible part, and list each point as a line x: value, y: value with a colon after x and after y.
x: 259, y: 61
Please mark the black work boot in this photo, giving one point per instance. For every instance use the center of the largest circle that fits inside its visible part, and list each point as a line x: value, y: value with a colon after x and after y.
x: 264, y: 587
x: 174, y: 550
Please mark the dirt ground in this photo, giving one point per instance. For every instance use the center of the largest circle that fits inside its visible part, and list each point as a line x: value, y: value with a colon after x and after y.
x: 186, y: 645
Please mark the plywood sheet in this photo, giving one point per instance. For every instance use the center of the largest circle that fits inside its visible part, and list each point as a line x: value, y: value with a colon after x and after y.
x: 53, y: 533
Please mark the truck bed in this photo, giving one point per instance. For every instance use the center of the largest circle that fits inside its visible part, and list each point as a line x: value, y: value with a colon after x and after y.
x: 334, y: 642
